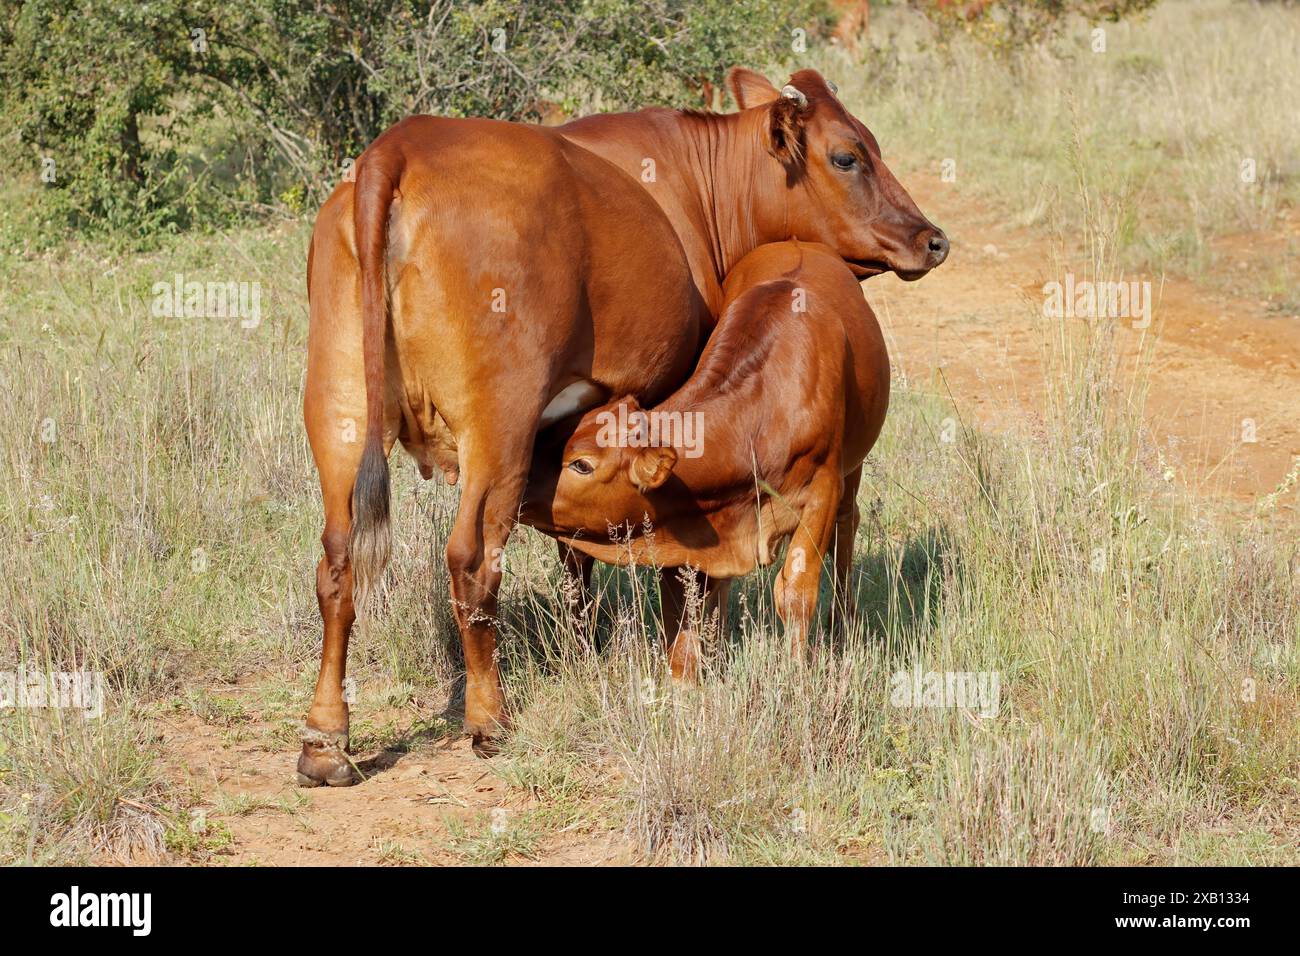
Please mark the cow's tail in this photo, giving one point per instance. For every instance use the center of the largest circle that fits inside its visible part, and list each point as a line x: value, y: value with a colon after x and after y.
x: 368, y: 547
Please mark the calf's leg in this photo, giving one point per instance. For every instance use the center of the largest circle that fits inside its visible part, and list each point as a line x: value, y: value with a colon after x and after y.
x: 847, y: 519
x: 797, y: 583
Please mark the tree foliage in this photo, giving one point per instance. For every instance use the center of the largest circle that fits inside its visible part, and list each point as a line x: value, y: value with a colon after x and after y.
x: 162, y: 114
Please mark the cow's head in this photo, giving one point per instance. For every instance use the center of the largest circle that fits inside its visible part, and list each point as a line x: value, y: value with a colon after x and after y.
x: 605, y: 474
x: 838, y: 190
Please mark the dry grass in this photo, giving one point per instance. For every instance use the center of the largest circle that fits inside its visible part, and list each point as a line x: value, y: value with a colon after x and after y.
x: 1171, y: 109
x: 1146, y: 654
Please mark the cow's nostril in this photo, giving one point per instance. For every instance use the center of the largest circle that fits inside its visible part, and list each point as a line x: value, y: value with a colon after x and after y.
x: 938, y: 248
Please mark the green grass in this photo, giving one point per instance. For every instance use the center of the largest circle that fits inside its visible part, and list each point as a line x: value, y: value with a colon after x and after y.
x: 492, y: 839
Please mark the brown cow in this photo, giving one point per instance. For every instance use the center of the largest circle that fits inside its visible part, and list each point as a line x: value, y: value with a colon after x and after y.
x: 764, y: 443
x: 479, y: 272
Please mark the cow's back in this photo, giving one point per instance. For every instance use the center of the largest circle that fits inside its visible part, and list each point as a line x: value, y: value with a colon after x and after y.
x: 525, y: 202
x: 509, y: 246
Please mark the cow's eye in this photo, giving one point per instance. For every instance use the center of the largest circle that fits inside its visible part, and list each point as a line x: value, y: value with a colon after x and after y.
x: 581, y: 466
x: 844, y: 161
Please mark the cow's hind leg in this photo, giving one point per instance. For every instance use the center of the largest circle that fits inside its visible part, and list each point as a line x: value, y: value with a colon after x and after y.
x: 324, y: 750
x: 494, y: 472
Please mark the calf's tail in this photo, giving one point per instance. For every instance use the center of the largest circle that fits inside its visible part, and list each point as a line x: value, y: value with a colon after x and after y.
x: 378, y: 174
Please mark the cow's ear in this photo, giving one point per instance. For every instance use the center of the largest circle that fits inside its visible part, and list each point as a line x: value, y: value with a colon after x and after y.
x: 750, y: 89
x: 786, y: 129
x: 651, y: 467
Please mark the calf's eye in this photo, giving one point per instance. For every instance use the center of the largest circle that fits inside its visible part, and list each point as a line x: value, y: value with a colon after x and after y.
x: 581, y: 466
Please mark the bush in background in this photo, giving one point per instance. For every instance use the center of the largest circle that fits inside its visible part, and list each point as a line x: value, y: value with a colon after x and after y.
x: 81, y: 85
x: 163, y: 117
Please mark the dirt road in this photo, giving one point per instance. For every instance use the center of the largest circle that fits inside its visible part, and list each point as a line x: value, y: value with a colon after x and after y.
x: 1222, y: 364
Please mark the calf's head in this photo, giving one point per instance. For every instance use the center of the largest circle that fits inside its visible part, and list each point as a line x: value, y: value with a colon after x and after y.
x: 837, y: 190
x: 605, y: 474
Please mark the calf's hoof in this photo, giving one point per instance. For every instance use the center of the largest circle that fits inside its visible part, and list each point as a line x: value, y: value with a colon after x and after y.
x: 324, y: 760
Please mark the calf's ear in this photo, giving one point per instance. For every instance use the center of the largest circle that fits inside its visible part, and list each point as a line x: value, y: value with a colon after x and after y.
x: 651, y: 467
x: 750, y: 89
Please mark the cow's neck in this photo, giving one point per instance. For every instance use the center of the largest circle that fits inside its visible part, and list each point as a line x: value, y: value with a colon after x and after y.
x: 738, y: 184
x: 711, y: 175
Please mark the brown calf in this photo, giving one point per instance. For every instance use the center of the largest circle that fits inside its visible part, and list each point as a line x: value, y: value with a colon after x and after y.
x: 764, y: 443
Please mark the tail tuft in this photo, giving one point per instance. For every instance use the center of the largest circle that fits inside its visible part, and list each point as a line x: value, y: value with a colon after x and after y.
x: 369, y: 545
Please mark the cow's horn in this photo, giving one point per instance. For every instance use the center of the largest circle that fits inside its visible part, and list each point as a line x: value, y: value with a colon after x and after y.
x: 790, y: 92
x: 834, y: 89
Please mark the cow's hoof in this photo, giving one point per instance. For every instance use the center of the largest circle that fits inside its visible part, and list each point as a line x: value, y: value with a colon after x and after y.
x: 486, y: 735
x: 324, y: 760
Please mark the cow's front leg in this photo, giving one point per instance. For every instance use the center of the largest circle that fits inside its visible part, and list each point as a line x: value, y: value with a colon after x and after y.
x: 578, y: 566
x: 690, y: 600
x: 847, y: 520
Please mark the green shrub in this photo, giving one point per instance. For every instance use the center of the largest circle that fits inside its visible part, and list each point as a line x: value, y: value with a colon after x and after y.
x: 81, y: 84
x: 166, y: 116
